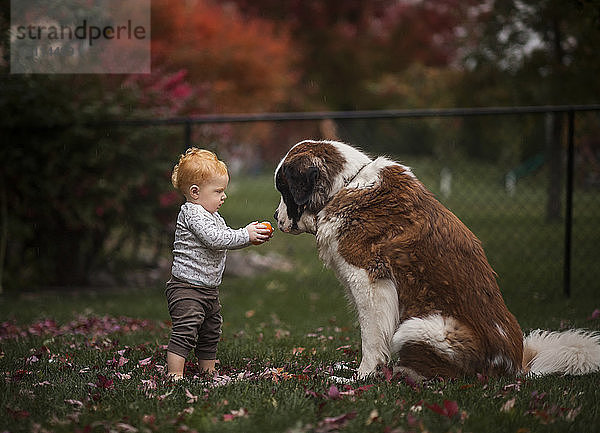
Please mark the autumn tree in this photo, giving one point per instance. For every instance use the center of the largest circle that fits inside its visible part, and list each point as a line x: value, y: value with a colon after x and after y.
x: 352, y: 49
x: 247, y: 62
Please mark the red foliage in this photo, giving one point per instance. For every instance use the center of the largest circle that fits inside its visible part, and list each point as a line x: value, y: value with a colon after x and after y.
x: 449, y: 409
x: 244, y: 62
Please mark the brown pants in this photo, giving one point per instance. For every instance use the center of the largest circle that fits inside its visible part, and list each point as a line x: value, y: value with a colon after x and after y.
x: 196, y: 321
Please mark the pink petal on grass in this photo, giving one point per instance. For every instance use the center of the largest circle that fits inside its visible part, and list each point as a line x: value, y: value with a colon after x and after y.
x: 338, y: 421
x: 333, y: 393
x: 242, y: 412
x: 76, y: 403
x: 191, y: 397
x: 145, y: 361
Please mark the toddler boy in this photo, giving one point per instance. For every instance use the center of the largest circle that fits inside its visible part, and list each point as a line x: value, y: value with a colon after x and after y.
x: 202, y: 239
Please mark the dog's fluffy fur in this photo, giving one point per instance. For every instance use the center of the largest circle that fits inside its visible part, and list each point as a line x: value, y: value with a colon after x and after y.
x: 419, y: 279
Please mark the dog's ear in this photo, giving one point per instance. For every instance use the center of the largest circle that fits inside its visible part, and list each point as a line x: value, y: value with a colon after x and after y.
x: 302, y: 184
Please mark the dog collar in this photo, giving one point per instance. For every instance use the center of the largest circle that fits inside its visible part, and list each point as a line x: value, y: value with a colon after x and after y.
x: 357, y: 173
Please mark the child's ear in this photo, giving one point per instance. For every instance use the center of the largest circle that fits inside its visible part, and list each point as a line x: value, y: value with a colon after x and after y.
x: 194, y: 191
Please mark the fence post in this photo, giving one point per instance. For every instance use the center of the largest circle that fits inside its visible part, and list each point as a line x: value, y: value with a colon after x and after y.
x: 188, y: 133
x: 569, y: 203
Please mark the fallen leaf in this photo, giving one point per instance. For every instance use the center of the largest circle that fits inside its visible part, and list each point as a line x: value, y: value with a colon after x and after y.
x: 242, y: 412
x: 483, y: 379
x: 373, y: 417
x: 339, y: 421
x: 149, y: 419
x: 18, y: 413
x: 281, y: 333
x: 191, y: 397
x: 410, y: 382
x: 411, y: 420
x: 333, y: 393
x: 104, y: 382
x: 344, y: 347
x: 145, y: 361
x: 572, y: 413
x: 508, y: 405
x: 388, y: 373
x: 356, y: 391
x: 165, y: 395
x: 127, y: 428
x: 449, y: 409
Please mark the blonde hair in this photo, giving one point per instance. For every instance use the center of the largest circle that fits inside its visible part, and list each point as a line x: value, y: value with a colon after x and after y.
x: 196, y: 166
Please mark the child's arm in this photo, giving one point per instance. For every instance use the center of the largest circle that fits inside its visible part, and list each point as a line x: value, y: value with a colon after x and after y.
x: 217, y: 237
x: 214, y: 236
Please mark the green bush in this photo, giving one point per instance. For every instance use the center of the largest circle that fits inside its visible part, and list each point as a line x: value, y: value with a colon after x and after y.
x: 76, y: 194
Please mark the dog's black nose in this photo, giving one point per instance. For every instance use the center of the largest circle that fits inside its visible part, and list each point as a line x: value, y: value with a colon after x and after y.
x: 275, y: 215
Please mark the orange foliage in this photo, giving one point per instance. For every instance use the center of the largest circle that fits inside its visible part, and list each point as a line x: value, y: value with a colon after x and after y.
x: 248, y: 65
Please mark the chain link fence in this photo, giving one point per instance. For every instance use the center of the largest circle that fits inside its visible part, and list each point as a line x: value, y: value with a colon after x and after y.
x: 525, y: 180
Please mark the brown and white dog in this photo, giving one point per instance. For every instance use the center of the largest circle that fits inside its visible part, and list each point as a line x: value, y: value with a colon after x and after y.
x: 418, y: 278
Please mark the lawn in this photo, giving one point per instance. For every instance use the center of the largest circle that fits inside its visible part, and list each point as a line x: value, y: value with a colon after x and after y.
x: 94, y: 361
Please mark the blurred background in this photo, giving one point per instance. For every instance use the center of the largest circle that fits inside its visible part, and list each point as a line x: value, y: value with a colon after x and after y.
x: 85, y: 193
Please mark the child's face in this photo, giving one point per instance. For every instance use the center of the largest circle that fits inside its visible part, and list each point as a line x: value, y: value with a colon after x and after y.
x: 211, y: 194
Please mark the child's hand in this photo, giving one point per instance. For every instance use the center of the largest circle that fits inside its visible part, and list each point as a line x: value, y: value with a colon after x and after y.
x: 259, y: 233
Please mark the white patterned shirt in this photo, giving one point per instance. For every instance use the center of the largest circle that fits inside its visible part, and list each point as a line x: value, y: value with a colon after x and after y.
x: 201, y: 243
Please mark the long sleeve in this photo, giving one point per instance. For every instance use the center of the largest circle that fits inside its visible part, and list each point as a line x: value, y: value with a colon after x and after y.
x: 212, y: 231
x: 201, y: 243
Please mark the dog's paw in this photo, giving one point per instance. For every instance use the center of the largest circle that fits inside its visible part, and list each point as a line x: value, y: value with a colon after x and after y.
x: 364, y: 372
x: 342, y: 380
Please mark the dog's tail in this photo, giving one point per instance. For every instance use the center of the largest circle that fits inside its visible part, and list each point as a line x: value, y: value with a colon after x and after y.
x: 570, y: 352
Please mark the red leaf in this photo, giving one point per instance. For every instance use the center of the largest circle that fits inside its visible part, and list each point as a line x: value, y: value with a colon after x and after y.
x: 104, y: 382
x: 333, y: 393
x: 18, y: 413
x: 411, y: 382
x: 18, y: 375
x: 357, y: 391
x: 411, y: 420
x: 449, y: 410
x: 241, y: 413
x: 388, y: 373
x: 436, y: 408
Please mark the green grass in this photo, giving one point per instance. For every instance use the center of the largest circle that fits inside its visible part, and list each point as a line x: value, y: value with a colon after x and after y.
x: 283, y: 333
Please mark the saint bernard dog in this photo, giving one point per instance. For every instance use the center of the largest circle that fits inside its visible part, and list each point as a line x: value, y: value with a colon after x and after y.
x: 418, y: 278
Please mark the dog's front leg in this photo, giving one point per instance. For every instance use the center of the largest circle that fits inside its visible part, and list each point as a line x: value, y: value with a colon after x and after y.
x: 374, y: 349
x: 378, y: 315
